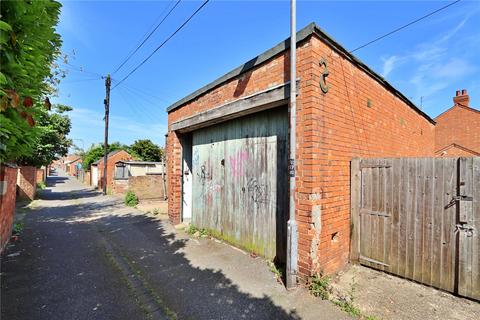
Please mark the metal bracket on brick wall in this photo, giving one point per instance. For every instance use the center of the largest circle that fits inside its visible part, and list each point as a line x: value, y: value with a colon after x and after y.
x: 323, y: 77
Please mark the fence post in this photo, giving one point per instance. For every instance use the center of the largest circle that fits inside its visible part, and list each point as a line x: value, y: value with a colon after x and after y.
x: 355, y: 198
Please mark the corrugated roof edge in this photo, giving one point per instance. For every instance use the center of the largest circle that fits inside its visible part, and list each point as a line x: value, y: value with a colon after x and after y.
x: 303, y: 34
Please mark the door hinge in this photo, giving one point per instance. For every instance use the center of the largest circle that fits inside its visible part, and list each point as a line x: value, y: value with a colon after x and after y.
x: 463, y: 198
x: 466, y: 228
x: 457, y: 199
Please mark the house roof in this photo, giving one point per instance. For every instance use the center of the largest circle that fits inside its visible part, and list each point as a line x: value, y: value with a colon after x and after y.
x: 108, y: 156
x: 303, y: 34
x: 460, y: 106
x: 71, y: 158
x: 456, y: 145
x: 139, y: 162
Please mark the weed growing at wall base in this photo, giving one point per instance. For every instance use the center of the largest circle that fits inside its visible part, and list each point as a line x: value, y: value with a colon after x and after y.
x: 131, y: 199
x: 196, y: 231
x: 278, y: 271
x: 17, y: 227
x: 320, y: 287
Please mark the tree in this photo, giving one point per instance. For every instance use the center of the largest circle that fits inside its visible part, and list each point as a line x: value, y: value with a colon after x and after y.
x: 52, y: 142
x: 96, y: 152
x: 146, y: 150
x: 29, y: 46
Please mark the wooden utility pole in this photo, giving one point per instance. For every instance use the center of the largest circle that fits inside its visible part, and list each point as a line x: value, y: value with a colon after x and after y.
x: 105, y: 145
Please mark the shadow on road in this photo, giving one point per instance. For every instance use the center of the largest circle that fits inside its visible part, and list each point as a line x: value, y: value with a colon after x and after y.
x: 52, y: 181
x: 71, y: 242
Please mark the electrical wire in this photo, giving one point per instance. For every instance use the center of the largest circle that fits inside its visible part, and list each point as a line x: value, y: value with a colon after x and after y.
x: 404, y: 26
x: 136, y: 96
x: 145, y: 93
x: 81, y: 80
x: 148, y: 37
x: 80, y: 69
x: 162, y: 44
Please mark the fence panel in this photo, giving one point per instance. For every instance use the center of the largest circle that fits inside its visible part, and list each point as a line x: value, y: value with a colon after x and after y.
x: 419, y: 218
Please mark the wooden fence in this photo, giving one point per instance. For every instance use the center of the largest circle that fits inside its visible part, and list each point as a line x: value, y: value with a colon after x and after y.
x: 419, y: 218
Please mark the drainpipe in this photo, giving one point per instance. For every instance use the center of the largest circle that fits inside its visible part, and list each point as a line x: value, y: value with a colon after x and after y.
x: 292, y: 230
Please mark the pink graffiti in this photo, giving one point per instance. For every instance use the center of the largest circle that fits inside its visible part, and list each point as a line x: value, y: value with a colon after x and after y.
x: 237, y: 163
x: 211, y: 189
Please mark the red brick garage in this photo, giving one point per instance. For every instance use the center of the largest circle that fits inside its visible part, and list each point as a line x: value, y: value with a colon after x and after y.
x: 344, y: 110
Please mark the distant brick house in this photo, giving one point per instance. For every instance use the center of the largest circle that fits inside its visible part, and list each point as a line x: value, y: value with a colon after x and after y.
x: 457, y: 132
x: 74, y: 167
x: 68, y: 163
x: 227, y: 148
x: 97, y: 169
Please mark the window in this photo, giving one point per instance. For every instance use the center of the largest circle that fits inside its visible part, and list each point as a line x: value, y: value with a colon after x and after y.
x: 121, y: 171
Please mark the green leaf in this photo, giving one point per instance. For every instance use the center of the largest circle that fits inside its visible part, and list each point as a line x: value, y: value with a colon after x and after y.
x: 3, y: 79
x: 5, y: 26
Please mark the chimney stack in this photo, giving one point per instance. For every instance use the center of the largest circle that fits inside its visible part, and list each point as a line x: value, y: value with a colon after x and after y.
x: 461, y: 98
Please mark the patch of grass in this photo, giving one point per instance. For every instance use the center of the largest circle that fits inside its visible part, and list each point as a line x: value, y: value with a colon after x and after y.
x: 278, y: 271
x: 348, y: 307
x: 320, y: 287
x: 156, y: 211
x: 17, y: 227
x: 41, y: 185
x: 193, y: 230
x: 131, y: 199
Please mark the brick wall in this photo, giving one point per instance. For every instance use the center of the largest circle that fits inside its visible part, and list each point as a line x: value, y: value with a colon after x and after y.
x: 147, y: 187
x: 456, y: 151
x: 120, y: 186
x: 358, y: 117
x: 27, y: 182
x: 8, y: 186
x: 460, y: 125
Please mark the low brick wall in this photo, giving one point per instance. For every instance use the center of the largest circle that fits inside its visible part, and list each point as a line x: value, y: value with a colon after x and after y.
x: 41, y: 175
x: 120, y: 186
x: 8, y: 185
x: 147, y: 187
x: 27, y: 183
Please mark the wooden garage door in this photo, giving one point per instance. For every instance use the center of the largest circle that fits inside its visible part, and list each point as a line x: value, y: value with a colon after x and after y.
x: 240, y: 186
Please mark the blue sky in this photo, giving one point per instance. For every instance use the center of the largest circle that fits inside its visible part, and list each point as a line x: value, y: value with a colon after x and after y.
x: 430, y: 59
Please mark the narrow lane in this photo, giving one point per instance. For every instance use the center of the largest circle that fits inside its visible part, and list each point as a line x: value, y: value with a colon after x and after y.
x: 62, y: 270
x: 86, y: 256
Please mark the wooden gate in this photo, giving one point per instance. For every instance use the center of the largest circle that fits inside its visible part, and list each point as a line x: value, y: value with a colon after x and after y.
x: 240, y: 186
x: 419, y: 218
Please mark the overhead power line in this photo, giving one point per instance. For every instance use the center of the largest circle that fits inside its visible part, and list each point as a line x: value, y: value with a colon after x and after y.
x: 404, y: 26
x: 148, y: 37
x: 162, y: 44
x: 80, y: 69
x: 82, y: 80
